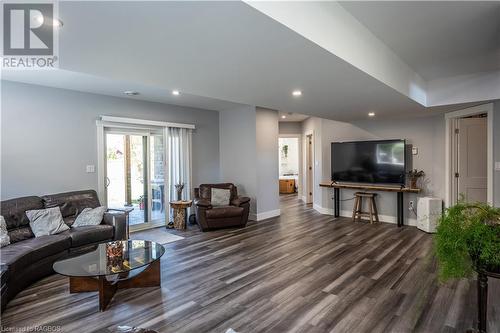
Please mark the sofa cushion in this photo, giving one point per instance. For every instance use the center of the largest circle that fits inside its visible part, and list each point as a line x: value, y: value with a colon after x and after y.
x: 47, y: 221
x: 220, y: 197
x: 4, y: 236
x: 72, y: 203
x: 222, y: 212
x: 90, y: 216
x: 205, y: 190
x: 89, y: 234
x: 20, y: 234
x: 19, y: 255
x: 13, y: 211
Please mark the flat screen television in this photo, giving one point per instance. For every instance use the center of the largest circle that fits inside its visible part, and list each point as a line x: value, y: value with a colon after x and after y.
x: 373, y: 162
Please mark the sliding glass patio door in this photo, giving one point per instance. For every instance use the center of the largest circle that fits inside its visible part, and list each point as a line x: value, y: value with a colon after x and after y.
x: 135, y: 168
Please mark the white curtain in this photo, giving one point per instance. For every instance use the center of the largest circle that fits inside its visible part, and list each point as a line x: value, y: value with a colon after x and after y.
x: 179, y: 161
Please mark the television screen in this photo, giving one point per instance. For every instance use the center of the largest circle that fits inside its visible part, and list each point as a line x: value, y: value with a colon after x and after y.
x: 377, y: 162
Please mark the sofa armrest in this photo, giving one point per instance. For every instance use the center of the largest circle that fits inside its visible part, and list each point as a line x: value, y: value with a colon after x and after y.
x: 240, y: 201
x: 203, y: 203
x: 119, y: 222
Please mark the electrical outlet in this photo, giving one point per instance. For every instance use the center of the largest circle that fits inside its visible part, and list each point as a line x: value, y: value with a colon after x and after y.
x: 414, y: 151
x: 90, y: 168
x: 410, y: 206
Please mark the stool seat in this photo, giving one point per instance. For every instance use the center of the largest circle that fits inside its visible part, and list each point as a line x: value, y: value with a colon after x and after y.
x: 365, y: 194
x: 357, y: 210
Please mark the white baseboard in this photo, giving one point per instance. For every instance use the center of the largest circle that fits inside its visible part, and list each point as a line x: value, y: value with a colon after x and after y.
x: 323, y: 210
x: 382, y: 218
x: 264, y: 215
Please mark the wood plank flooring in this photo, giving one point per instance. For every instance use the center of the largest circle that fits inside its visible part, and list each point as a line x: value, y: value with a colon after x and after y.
x: 301, y: 272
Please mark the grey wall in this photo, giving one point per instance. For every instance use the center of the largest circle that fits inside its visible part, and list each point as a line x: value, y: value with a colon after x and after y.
x: 426, y: 134
x: 267, y: 161
x: 238, y: 151
x: 496, y: 152
x: 49, y: 136
x: 289, y: 127
x: 249, y: 155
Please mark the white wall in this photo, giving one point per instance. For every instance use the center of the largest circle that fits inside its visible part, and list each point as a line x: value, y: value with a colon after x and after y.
x: 48, y: 136
x: 267, y: 164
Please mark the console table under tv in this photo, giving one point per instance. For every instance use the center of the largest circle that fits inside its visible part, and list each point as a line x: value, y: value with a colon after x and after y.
x: 367, y: 187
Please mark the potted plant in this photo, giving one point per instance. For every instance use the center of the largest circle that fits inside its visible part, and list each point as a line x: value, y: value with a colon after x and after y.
x: 414, y: 175
x: 284, y: 150
x: 467, y: 241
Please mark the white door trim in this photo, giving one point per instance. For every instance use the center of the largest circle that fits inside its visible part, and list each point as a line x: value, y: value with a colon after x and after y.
x: 101, y: 164
x: 312, y: 157
x: 450, y: 118
x: 135, y: 121
x: 102, y: 172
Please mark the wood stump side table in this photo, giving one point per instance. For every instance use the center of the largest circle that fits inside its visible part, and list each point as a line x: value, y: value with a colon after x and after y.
x: 180, y: 208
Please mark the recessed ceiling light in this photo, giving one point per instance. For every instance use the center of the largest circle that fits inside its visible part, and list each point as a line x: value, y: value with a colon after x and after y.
x: 131, y: 93
x: 283, y: 117
x: 371, y: 114
x: 297, y: 93
x: 176, y: 92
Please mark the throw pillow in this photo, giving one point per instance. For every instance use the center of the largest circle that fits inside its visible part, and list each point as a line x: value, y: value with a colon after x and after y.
x: 4, y: 235
x: 220, y: 197
x: 47, y: 221
x: 90, y: 216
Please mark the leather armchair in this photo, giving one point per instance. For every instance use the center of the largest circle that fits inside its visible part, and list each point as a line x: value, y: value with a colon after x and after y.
x: 209, y: 217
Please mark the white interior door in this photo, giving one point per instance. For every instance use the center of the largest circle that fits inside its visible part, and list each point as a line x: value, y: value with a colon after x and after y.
x: 472, y: 159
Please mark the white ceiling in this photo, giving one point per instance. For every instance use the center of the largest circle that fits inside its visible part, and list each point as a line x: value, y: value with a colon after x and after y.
x: 99, y: 85
x: 227, y: 52
x: 436, y: 38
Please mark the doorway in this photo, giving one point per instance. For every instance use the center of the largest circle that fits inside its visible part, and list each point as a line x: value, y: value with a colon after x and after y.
x: 135, y: 175
x: 469, y: 158
x: 289, y: 153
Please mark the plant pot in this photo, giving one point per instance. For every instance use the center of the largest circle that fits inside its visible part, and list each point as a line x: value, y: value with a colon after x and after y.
x: 413, y: 183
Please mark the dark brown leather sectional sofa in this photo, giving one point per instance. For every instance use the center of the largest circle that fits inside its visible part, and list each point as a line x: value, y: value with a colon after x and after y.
x: 208, y: 217
x: 29, y: 258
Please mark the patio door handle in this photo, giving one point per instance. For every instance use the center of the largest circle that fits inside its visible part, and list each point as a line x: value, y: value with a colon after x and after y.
x: 107, y: 182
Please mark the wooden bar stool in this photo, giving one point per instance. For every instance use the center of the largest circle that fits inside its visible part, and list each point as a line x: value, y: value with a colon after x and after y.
x: 357, y: 210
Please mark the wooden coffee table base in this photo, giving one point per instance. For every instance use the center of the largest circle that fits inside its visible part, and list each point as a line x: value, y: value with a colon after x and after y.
x: 150, y: 277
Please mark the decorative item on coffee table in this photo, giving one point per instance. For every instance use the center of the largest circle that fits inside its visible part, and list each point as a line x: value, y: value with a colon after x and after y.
x: 114, y: 256
x: 414, y: 175
x: 180, y: 208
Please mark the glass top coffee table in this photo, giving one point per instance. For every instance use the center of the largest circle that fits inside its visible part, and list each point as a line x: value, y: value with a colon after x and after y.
x: 113, y: 265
